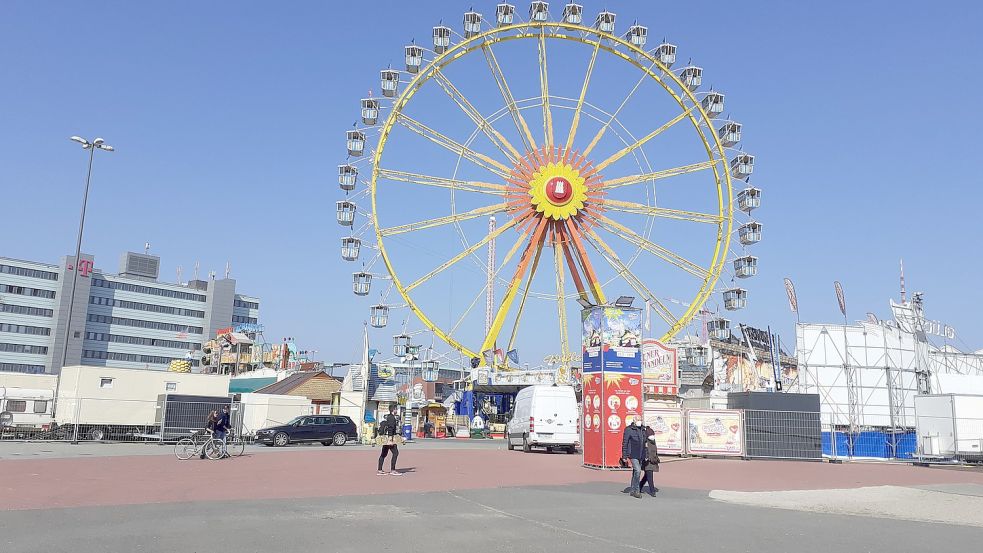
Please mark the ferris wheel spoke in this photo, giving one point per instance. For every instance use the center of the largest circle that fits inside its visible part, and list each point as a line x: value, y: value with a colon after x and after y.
x: 651, y: 211
x: 656, y: 175
x: 659, y: 251
x: 544, y: 87
x: 468, y: 251
x: 580, y: 102
x: 614, y: 116
x: 523, y: 235
x: 585, y: 264
x: 446, y: 220
x: 641, y: 141
x: 456, y: 147
x: 472, y: 112
x: 561, y: 300
x: 441, y: 182
x: 625, y: 272
x: 513, y: 287
x: 503, y: 86
x: 525, y: 294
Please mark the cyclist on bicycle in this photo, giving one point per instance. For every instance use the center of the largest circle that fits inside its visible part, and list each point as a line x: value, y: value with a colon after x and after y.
x: 222, y: 427
x: 210, y: 423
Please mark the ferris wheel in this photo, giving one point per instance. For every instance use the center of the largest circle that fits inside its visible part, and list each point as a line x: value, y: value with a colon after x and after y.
x: 542, y: 161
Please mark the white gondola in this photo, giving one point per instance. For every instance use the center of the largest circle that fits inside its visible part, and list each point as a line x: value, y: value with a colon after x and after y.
x: 719, y: 328
x: 504, y: 14
x: 370, y: 111
x: 361, y: 283
x: 430, y: 370
x: 729, y: 133
x: 573, y: 14
x: 472, y: 24
x: 750, y: 233
x: 346, y: 213
x: 742, y: 166
x: 355, y: 142
x: 696, y: 356
x: 347, y: 177
x: 666, y: 53
x: 379, y: 316
x: 350, y: 247
x: 735, y: 298
x: 389, y: 81
x: 749, y: 199
x: 692, y: 76
x: 637, y: 35
x: 713, y: 104
x: 441, y: 39
x: 746, y: 267
x: 605, y: 22
x: 539, y: 12
x: 401, y: 345
x: 414, y: 58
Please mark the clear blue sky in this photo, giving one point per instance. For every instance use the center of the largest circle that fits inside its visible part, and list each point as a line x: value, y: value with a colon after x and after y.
x: 229, y: 117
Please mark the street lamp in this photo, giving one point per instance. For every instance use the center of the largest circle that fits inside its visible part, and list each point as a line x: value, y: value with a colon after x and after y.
x: 97, y: 144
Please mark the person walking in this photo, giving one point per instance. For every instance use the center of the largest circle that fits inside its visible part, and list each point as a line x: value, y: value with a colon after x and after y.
x: 210, y: 423
x: 389, y: 438
x: 633, y: 454
x: 651, y: 464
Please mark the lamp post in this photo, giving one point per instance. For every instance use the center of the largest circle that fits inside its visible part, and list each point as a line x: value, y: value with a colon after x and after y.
x: 97, y: 144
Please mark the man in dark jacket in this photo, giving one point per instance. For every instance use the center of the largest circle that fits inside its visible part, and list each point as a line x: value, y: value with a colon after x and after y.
x: 633, y: 454
x: 222, y: 428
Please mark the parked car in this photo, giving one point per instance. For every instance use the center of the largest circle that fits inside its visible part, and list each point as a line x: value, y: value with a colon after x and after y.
x: 327, y: 429
x: 544, y: 416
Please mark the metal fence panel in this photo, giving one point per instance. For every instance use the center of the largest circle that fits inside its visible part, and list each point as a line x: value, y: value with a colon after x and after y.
x: 782, y: 434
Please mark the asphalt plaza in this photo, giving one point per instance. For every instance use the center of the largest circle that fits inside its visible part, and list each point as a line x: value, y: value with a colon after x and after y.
x: 464, y: 494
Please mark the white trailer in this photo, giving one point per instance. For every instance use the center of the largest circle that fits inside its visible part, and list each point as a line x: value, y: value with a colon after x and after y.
x: 264, y: 410
x: 950, y: 426
x: 25, y: 412
x: 107, y: 402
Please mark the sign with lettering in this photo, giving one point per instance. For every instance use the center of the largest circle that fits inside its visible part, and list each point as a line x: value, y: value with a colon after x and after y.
x: 659, y: 363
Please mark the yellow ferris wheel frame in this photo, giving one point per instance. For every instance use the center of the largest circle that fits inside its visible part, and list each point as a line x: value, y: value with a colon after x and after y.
x: 591, y: 37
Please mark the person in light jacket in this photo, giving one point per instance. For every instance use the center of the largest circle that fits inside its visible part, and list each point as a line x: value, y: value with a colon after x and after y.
x: 633, y: 454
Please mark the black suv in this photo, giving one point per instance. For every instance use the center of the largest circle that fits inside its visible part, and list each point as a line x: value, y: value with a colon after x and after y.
x: 327, y: 429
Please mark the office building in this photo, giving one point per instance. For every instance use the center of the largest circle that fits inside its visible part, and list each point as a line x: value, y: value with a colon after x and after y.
x: 129, y: 319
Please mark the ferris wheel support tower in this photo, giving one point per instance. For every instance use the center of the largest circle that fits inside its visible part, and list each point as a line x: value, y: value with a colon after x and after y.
x: 490, y: 283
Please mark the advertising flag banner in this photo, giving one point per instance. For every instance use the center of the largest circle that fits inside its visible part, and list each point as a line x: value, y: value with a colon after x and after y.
x: 612, y: 380
x: 715, y: 432
x: 668, y: 427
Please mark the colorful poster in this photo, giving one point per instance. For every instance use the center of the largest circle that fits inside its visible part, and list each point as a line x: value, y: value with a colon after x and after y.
x: 660, y: 365
x: 612, y: 381
x: 715, y: 432
x: 668, y: 427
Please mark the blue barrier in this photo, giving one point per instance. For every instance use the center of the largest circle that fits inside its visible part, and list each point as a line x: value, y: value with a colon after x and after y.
x: 842, y: 444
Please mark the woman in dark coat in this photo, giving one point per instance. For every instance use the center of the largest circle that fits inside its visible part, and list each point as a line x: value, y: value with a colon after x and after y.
x: 651, y: 463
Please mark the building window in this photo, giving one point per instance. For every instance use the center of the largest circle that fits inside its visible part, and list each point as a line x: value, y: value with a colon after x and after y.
x: 124, y: 304
x: 25, y: 291
x: 22, y: 368
x: 170, y: 387
x: 40, y: 406
x: 31, y: 273
x: 25, y: 329
x: 25, y: 310
x: 138, y: 323
x: 105, y: 383
x: 22, y: 348
x: 247, y: 320
x: 16, y: 405
x: 163, y: 292
x: 246, y: 304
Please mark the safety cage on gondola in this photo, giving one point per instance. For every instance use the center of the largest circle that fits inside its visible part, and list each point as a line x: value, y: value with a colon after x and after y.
x: 692, y: 76
x: 355, y: 142
x: 389, y: 81
x: 750, y: 233
x: 401, y: 345
x: 347, y: 177
x: 749, y: 199
x: 379, y: 316
x: 539, y: 12
x: 361, y: 283
x: 414, y: 58
x: 441, y: 39
x: 472, y: 24
x: 746, y: 266
x: 573, y: 14
x: 719, y: 328
x: 430, y: 370
x: 350, y: 247
x: 345, y: 213
x: 735, y: 298
x: 696, y: 356
x: 742, y: 166
x: 666, y: 54
x: 370, y: 111
x: 729, y: 133
x: 713, y: 104
x: 504, y: 14
x: 605, y: 22
x: 637, y: 35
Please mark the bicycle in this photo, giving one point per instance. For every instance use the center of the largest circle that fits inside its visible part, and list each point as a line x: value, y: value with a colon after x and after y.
x: 187, y: 448
x: 234, y: 445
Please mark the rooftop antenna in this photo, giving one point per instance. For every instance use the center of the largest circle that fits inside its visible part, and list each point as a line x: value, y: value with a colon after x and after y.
x: 146, y: 248
x: 180, y: 273
x: 228, y: 268
x: 197, y: 266
x: 211, y: 275
x: 904, y: 296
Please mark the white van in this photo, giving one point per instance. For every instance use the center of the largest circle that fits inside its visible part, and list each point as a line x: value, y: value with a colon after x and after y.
x: 545, y: 416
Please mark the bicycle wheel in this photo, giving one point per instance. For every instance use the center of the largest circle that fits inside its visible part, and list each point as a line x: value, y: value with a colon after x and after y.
x: 213, y: 449
x: 236, y: 446
x: 184, y: 449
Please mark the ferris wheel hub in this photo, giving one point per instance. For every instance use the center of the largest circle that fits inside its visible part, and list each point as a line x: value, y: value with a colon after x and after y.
x: 557, y: 190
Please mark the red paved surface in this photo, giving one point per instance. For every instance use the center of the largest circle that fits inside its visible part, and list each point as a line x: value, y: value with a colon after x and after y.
x: 50, y: 483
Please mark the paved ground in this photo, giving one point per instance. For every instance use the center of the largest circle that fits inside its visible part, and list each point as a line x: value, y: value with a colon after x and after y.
x: 470, y: 496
